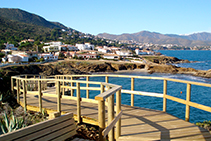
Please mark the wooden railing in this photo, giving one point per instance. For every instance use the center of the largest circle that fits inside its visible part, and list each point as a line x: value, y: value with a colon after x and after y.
x: 28, y: 84
x: 66, y: 82
x: 163, y: 95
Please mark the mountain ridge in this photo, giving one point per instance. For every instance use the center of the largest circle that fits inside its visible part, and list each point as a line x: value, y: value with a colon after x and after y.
x: 195, y: 39
x: 16, y: 14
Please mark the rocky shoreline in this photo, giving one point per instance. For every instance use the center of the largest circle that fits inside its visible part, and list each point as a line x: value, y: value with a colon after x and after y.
x: 90, y: 66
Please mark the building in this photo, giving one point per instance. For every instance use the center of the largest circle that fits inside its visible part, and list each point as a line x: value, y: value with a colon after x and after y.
x: 48, y: 56
x: 53, y: 46
x: 15, y: 58
x: 138, y: 52
x: 111, y: 56
x: 124, y: 53
x: 86, y: 46
x: 86, y: 55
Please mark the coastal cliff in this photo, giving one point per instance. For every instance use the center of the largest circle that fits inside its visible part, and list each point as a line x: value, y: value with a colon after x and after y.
x: 89, y: 67
x: 178, y: 70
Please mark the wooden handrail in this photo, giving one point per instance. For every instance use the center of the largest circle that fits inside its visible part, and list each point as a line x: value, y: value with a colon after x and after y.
x: 108, y: 93
x: 111, y: 125
x: 18, y: 83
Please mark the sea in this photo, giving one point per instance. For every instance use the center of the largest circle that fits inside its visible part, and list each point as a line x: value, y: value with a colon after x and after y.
x: 201, y: 60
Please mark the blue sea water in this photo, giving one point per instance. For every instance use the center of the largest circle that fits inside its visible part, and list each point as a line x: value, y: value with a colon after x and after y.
x: 202, y: 58
x: 201, y: 95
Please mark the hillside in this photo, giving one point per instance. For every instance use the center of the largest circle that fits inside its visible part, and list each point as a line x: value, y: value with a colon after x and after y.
x: 202, y: 39
x: 27, y: 25
x: 29, y: 18
x: 16, y: 31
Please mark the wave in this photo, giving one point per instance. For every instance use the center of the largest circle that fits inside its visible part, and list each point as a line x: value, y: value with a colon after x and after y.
x: 188, y: 77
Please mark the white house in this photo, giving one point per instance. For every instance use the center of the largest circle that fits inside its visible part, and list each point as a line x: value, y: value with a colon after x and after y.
x: 53, y: 46
x: 72, y: 48
x: 18, y: 58
x: 110, y: 56
x: 86, y: 46
x: 86, y: 55
x: 103, y: 50
x: 124, y: 53
x: 143, y: 52
x: 138, y: 52
x: 48, y: 56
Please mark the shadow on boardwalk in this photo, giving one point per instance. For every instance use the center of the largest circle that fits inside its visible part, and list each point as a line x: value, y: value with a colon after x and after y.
x: 137, y: 123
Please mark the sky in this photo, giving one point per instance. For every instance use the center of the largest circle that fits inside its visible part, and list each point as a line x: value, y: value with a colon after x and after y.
x: 122, y: 16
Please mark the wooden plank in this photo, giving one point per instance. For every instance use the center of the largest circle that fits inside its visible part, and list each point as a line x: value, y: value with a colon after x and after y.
x: 34, y: 128
x: 78, y: 93
x: 49, y: 130
x: 33, y: 92
x: 57, y: 133
x: 108, y: 93
x: 40, y: 95
x: 24, y: 95
x: 49, y: 95
x: 111, y: 125
x: 164, y: 94
x: 111, y: 116
x: 192, y: 104
x: 200, y: 106
x: 118, y: 110
x: 82, y: 99
x: 187, y: 108
x: 58, y: 90
x: 65, y: 136
x: 175, y: 99
x: 87, y: 86
x: 101, y: 118
x: 142, y: 93
x: 18, y: 90
x: 132, y: 89
x: 82, y: 88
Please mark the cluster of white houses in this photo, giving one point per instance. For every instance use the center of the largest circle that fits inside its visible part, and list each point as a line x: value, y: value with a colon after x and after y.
x: 53, y: 49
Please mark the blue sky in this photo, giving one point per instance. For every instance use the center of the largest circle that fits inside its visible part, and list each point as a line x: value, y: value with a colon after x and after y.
x: 123, y: 16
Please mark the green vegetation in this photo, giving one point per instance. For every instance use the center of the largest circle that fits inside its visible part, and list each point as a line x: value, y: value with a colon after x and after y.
x: 17, y: 25
x: 29, y: 18
x: 13, y: 118
x: 205, y: 124
x: 11, y: 123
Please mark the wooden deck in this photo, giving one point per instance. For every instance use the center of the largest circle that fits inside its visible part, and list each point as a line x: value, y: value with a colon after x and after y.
x: 137, y: 123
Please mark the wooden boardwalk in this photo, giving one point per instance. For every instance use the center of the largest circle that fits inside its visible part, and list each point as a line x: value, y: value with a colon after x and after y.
x: 137, y: 123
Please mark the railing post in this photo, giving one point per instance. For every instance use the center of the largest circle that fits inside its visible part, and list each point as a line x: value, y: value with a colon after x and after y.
x: 101, y: 115
x: 40, y: 95
x: 58, y: 90
x: 111, y: 116
x: 72, y: 86
x: 63, y: 89
x: 34, y: 82
x: 106, y: 79
x: 12, y: 85
x: 78, y: 103
x: 18, y: 90
x: 87, y: 85
x: 118, y: 110
x: 188, y: 95
x: 132, y: 89
x: 164, y: 94
x: 26, y: 82
x: 24, y: 95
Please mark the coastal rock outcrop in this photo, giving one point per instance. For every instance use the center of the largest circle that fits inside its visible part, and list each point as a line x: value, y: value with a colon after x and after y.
x: 165, y: 60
